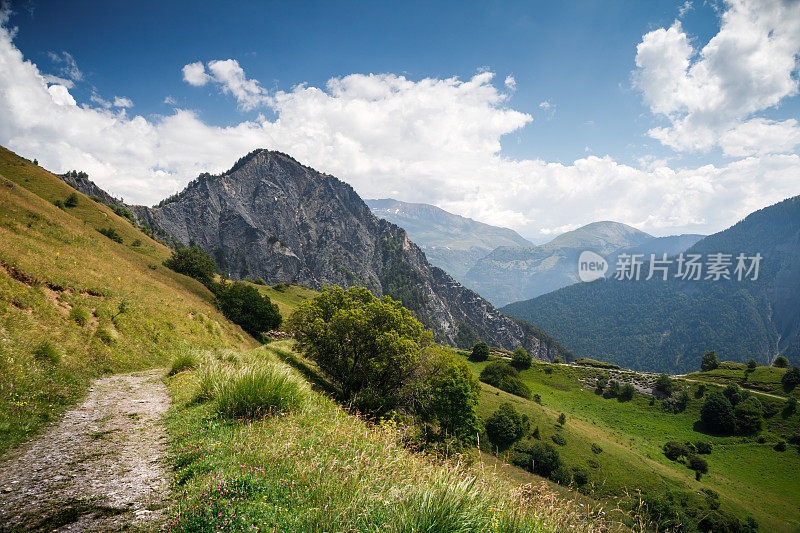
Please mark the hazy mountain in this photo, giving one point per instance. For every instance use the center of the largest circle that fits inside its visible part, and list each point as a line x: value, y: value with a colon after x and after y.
x: 667, y: 325
x: 510, y: 274
x: 272, y: 217
x: 451, y: 242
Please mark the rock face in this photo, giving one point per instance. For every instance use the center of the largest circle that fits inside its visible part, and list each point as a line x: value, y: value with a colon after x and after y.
x: 272, y: 217
x: 451, y: 242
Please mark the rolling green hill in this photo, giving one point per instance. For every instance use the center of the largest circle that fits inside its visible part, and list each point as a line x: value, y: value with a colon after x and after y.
x: 749, y: 476
x: 667, y: 325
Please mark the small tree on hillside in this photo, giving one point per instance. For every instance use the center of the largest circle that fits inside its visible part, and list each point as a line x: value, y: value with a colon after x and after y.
x: 749, y: 416
x: 664, y: 385
x: 752, y: 365
x: 480, y: 352
x: 245, y: 306
x: 506, y: 426
x: 791, y: 379
x: 709, y: 362
x: 781, y: 362
x: 193, y: 262
x: 371, y: 349
x: 626, y: 393
x: 520, y: 358
x: 72, y: 200
x: 451, y: 395
x: 717, y: 414
x: 562, y: 419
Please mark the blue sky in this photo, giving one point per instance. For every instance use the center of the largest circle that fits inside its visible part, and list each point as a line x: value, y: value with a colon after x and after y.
x: 577, y: 92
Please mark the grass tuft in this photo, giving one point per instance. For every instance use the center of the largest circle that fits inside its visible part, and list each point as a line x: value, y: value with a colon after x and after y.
x: 79, y: 315
x: 47, y: 351
x: 261, y: 390
x: 185, y: 360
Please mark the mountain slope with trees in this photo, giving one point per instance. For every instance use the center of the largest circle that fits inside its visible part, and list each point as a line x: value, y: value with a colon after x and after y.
x: 661, y: 325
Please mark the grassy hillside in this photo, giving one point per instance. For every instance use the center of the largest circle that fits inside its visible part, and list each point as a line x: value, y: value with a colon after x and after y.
x: 750, y: 476
x: 313, y: 467
x: 286, y: 296
x: 75, y: 304
x: 763, y: 379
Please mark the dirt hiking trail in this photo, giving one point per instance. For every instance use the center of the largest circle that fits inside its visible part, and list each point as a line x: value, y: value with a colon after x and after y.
x: 100, y: 468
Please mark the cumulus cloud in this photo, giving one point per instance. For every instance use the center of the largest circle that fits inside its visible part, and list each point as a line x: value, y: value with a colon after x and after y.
x: 710, y: 96
x: 429, y: 140
x: 231, y: 80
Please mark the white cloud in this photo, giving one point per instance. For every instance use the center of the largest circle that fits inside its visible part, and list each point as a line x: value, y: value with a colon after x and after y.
x: 231, y: 79
x: 121, y: 101
x: 49, y: 78
x: 195, y: 74
x: 685, y: 8
x: 546, y: 105
x: 429, y: 140
x: 709, y: 94
x: 511, y: 83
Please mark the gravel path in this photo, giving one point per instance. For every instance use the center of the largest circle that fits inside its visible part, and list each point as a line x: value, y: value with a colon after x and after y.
x: 101, y: 468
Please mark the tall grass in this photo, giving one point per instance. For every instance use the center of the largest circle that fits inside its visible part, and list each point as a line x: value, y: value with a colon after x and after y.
x: 185, y: 360
x: 259, y: 390
x: 318, y: 469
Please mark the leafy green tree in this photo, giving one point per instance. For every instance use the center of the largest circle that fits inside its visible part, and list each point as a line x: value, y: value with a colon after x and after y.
x: 752, y: 365
x: 734, y: 394
x: 749, y: 416
x: 480, y: 352
x: 709, y: 362
x: 613, y: 389
x: 506, y: 426
x: 245, y: 306
x: 194, y: 262
x: 626, y: 393
x: 781, y: 362
x: 664, y: 385
x: 791, y: 379
x: 506, y: 378
x: 698, y: 464
x: 717, y: 414
x: 602, y: 382
x: 562, y: 419
x: 451, y: 395
x: 520, y: 358
x: 370, y: 348
x: 540, y: 457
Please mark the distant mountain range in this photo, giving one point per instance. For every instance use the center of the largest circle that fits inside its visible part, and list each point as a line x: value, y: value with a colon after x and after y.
x: 271, y: 217
x: 667, y: 325
x: 511, y: 274
x: 451, y: 242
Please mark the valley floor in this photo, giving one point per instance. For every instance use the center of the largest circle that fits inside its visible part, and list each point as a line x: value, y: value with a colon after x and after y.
x: 101, y: 467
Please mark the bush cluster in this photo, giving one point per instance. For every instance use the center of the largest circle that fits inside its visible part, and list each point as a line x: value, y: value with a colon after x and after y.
x: 506, y: 378
x: 734, y: 411
x: 506, y: 426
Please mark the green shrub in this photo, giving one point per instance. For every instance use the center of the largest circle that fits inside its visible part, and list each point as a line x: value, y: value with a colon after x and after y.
x: 112, y: 234
x: 261, y: 390
x: 717, y: 414
x: 701, y: 390
x: 562, y: 419
x: 536, y: 435
x: 185, y: 360
x: 752, y: 365
x: 58, y: 203
x: 791, y: 379
x: 675, y: 450
x: 561, y: 475
x: 506, y: 426
x: 480, y: 352
x: 245, y: 306
x: 596, y: 449
x: 580, y: 476
x: 208, y: 381
x: 781, y: 362
x: 709, y: 362
x: 79, y: 315
x: 613, y: 389
x: 520, y: 359
x: 626, y: 393
x: 542, y: 458
x: 72, y: 200
x: 506, y: 378
x: 734, y: 394
x: 47, y: 351
x: 749, y: 416
x: 193, y: 262
x: 780, y: 446
x: 559, y: 439
x: 602, y: 383
x: 664, y: 385
x: 703, y: 447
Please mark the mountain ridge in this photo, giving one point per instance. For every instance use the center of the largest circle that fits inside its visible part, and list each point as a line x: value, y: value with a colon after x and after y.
x: 274, y: 218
